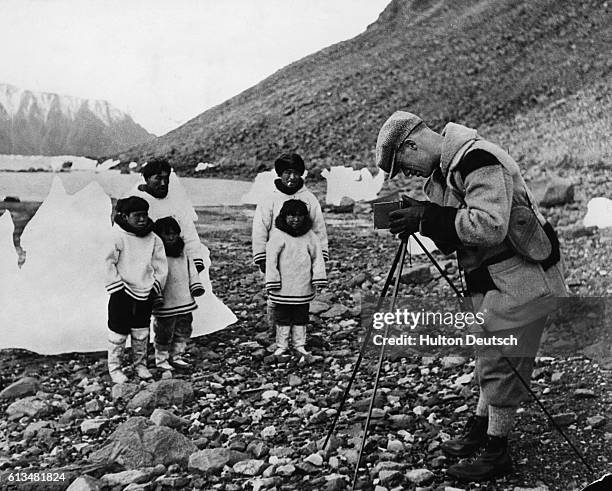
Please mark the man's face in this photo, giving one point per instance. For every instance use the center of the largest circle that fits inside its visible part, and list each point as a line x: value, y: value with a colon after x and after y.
x: 290, y: 178
x: 157, y: 184
x: 415, y: 159
x: 137, y: 219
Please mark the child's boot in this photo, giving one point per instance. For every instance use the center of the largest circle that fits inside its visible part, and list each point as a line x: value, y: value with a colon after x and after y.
x: 116, y: 347
x: 179, y: 346
x: 140, y: 344
x: 299, y: 340
x: 282, y: 339
x: 162, y: 357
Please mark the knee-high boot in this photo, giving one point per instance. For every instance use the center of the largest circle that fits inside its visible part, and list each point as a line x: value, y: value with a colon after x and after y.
x: 116, y: 348
x: 140, y: 344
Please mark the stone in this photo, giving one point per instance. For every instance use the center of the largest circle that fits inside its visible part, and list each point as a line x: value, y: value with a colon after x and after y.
x: 357, y: 280
x: 317, y: 307
x: 564, y: 419
x: 416, y: 275
x: 453, y: 361
x: 71, y: 415
x: 552, y: 190
x: 268, y: 432
x: 390, y: 477
x: 33, y: 428
x: 556, y: 377
x: 125, y: 478
x: 285, y: 470
x: 336, y: 482
x: 596, y: 421
x: 258, y: 449
x: 29, y: 406
x: 264, y: 483
x: 401, y: 421
x: 314, y: 459
x: 139, y: 443
x: 85, y: 483
x: 336, y: 310
x: 123, y: 391
x: 93, y: 406
x: 93, y: 426
x: 210, y: 460
x: 294, y: 380
x: 163, y: 417
x: 395, y: 446
x: 162, y: 393
x: 25, y: 386
x: 250, y: 467
x: 419, y: 476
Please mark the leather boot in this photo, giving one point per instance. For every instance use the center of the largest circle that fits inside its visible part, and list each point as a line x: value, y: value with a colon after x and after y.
x: 473, y: 439
x: 116, y: 348
x: 492, y: 463
x: 282, y: 339
x: 140, y: 344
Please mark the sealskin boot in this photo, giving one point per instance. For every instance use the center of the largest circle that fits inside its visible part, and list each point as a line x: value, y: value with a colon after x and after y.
x: 140, y: 344
x: 177, y: 355
x: 492, y: 463
x: 162, y: 357
x: 473, y: 439
x: 116, y: 347
x: 282, y: 339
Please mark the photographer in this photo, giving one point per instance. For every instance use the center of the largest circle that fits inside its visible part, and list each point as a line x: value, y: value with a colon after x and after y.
x: 480, y: 207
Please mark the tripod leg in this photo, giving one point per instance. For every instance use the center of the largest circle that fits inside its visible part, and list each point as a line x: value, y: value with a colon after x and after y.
x: 437, y: 265
x: 380, y: 361
x: 383, y: 293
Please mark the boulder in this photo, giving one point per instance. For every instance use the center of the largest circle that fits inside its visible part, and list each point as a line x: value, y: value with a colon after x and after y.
x: 336, y: 310
x: 25, y: 386
x: 317, y: 307
x: 250, y: 467
x: 29, y: 406
x: 211, y: 460
x: 139, y: 443
x: 123, y: 391
x: 162, y: 393
x: 419, y: 476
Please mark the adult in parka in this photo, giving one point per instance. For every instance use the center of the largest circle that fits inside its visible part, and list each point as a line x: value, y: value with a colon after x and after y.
x: 480, y: 207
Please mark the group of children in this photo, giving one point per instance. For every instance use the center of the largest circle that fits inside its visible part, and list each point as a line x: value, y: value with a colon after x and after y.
x: 153, y: 267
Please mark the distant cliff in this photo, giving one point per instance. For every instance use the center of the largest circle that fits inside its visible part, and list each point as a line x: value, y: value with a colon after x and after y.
x: 34, y: 123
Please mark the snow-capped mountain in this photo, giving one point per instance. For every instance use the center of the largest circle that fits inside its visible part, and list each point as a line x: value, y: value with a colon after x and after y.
x: 40, y: 123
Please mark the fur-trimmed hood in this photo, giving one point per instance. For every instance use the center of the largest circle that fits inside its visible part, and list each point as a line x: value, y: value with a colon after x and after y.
x: 282, y: 225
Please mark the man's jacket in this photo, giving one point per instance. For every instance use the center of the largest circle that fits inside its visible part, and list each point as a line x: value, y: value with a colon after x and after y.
x: 486, y: 213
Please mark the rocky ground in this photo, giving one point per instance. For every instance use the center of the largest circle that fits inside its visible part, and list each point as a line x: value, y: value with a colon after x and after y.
x: 244, y: 420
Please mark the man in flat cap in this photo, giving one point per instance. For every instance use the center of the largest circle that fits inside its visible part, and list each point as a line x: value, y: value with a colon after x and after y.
x: 480, y: 207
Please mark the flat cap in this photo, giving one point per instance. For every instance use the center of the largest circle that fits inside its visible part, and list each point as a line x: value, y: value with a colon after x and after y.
x: 391, y: 135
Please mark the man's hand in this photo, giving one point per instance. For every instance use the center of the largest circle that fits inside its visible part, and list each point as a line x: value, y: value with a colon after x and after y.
x: 407, y: 220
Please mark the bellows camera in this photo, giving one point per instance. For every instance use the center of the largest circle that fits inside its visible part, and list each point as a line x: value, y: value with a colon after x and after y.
x: 381, y: 213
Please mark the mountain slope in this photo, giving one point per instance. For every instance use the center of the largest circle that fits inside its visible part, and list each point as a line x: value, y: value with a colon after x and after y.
x: 49, y: 124
x: 476, y: 62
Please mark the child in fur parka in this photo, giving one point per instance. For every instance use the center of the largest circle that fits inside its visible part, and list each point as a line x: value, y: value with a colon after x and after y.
x: 173, y: 317
x: 294, y: 268
x: 136, y: 271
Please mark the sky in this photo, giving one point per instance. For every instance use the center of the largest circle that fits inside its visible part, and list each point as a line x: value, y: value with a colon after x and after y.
x: 166, y: 61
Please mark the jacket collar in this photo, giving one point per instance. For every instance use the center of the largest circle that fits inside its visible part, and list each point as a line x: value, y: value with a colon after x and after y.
x: 285, y: 190
x: 455, y: 136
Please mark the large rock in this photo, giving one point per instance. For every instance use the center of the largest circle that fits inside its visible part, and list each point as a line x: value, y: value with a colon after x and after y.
x: 336, y: 310
x: 211, y: 460
x: 29, y: 406
x: 140, y: 443
x: 419, y: 476
x: 123, y: 391
x: 163, y: 393
x: 23, y: 387
x: 85, y: 483
x: 552, y: 191
x: 416, y: 275
x: 125, y: 478
x: 250, y: 467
